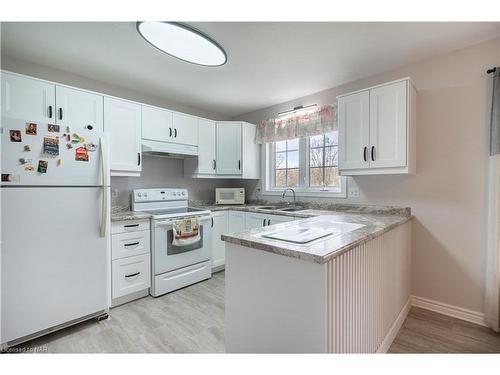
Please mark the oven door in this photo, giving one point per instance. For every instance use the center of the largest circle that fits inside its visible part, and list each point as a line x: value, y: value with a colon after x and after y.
x: 168, y: 257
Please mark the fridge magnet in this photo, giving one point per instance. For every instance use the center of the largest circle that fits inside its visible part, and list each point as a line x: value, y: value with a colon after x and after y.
x: 42, y: 166
x: 81, y: 154
x: 53, y: 128
x: 31, y: 128
x: 27, y: 148
x: 91, y: 146
x: 69, y: 145
x: 77, y: 138
x: 68, y: 129
x: 51, y: 146
x: 59, y: 162
x: 7, y: 177
x: 25, y: 161
x: 15, y: 135
x: 28, y: 167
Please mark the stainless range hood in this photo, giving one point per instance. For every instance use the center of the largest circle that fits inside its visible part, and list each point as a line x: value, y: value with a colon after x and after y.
x: 168, y: 150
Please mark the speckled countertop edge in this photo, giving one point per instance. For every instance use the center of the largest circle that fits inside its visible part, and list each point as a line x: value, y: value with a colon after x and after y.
x: 123, y: 213
x: 273, y: 247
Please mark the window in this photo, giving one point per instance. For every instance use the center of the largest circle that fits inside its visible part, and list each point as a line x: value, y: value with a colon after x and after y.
x: 309, y: 165
x: 323, y: 160
x: 287, y: 163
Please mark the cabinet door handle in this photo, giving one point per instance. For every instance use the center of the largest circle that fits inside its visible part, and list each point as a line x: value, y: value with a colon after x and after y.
x: 170, y: 132
x: 268, y: 221
x: 138, y: 158
x: 215, y: 164
x: 212, y: 221
x: 239, y: 164
x: 175, y: 133
x: 60, y: 113
x: 50, y: 111
x: 131, y: 244
x: 373, y: 153
x: 133, y: 274
x: 365, y: 150
x: 264, y: 223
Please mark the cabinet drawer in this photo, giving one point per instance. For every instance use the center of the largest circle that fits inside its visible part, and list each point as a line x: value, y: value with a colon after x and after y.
x: 130, y: 243
x: 128, y: 226
x: 130, y: 275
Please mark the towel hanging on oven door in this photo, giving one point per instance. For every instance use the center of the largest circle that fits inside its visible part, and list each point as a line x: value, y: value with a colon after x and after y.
x: 186, y: 231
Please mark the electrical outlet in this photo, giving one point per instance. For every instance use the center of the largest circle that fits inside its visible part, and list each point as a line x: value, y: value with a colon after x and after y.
x: 353, y: 192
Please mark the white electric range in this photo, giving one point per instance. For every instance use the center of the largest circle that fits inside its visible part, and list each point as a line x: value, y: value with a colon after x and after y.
x: 174, y: 267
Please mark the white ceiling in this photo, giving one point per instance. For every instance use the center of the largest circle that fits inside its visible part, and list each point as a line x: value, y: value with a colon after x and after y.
x: 268, y: 63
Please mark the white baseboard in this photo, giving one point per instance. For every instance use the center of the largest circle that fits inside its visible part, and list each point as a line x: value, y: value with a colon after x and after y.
x: 396, y: 326
x: 450, y: 310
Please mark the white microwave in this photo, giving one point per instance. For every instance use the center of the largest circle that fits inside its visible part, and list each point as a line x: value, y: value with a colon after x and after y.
x: 229, y: 196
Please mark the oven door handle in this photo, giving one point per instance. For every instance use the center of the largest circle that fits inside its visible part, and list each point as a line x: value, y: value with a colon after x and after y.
x: 170, y: 222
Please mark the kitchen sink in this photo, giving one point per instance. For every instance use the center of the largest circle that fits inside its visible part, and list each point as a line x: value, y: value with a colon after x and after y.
x: 271, y: 208
x: 292, y: 209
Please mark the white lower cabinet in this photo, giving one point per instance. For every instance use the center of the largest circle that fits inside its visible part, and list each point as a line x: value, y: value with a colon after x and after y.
x: 219, y: 227
x: 131, y: 261
x: 235, y: 221
x: 254, y: 220
x: 131, y: 275
x: 258, y: 220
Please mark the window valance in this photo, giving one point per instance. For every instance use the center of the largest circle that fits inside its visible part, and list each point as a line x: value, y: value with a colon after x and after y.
x: 323, y: 120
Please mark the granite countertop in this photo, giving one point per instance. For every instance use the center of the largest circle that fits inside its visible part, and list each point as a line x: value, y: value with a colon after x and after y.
x: 122, y: 213
x: 324, y: 249
x: 376, y: 220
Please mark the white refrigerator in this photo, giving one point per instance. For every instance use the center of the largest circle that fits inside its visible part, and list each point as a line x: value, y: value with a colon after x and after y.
x: 55, y: 251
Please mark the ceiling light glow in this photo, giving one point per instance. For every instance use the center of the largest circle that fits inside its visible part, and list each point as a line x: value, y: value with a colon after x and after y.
x: 183, y: 42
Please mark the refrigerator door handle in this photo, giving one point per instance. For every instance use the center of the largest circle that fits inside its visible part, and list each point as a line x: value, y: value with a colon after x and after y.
x: 104, y: 208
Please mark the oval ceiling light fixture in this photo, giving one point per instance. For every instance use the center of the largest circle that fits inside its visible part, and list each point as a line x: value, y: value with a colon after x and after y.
x: 183, y: 42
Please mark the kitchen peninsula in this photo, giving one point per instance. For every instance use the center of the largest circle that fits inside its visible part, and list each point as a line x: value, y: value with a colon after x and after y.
x: 345, y: 292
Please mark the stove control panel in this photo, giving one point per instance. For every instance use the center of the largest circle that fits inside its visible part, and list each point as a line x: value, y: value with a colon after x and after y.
x: 155, y: 195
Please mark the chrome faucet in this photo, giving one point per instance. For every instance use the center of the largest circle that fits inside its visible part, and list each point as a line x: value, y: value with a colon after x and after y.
x: 284, y: 193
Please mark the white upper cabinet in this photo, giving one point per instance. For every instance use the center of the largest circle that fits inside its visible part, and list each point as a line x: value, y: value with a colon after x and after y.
x: 206, y: 161
x: 161, y: 125
x: 229, y: 148
x: 122, y: 121
x: 185, y: 129
x: 28, y: 99
x: 388, y: 126
x: 377, y: 130
x: 226, y: 149
x: 79, y: 109
x: 354, y: 130
x: 157, y: 124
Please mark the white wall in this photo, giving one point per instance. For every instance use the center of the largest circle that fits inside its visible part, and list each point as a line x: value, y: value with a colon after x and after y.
x: 448, y: 194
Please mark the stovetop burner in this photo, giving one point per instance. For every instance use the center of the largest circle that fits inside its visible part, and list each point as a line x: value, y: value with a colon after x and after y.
x: 164, y: 203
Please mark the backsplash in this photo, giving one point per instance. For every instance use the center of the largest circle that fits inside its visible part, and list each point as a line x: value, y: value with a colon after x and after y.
x: 162, y: 173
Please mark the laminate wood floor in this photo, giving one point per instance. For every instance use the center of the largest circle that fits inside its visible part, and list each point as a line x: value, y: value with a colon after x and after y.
x: 425, y: 331
x: 191, y: 320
